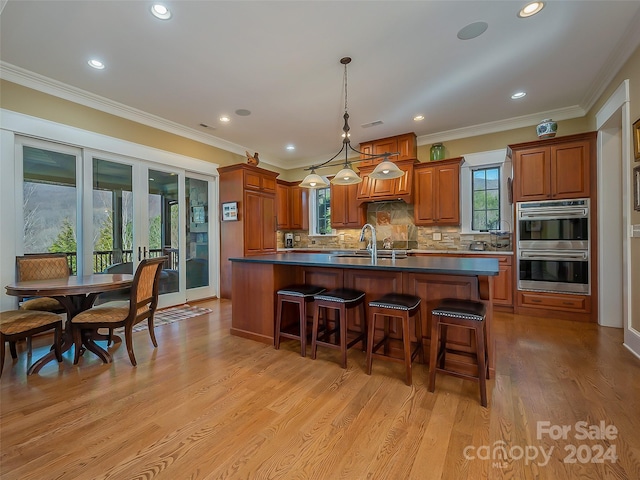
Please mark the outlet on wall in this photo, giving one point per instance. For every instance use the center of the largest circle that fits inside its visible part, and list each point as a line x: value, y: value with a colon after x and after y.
x: 437, y: 236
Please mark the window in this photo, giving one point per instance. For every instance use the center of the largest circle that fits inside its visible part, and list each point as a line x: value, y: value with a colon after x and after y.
x: 323, y: 211
x: 320, y: 211
x: 485, y: 207
x: 483, y: 192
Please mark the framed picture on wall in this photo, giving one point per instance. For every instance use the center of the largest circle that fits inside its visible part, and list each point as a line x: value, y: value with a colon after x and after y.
x: 229, y: 211
x: 636, y: 140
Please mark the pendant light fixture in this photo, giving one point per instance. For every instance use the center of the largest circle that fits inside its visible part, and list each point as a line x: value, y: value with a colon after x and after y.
x: 313, y: 180
x: 386, y: 170
x: 347, y: 176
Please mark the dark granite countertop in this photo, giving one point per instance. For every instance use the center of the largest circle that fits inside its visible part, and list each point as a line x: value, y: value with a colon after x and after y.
x: 430, y: 264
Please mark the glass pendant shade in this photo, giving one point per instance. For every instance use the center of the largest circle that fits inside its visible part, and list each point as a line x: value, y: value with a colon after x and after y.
x: 346, y: 176
x: 313, y: 180
x: 386, y: 170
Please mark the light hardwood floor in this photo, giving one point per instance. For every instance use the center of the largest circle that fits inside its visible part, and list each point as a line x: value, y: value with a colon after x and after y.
x: 207, y: 405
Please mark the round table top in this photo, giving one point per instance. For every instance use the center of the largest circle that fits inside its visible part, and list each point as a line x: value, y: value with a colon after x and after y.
x: 72, y: 285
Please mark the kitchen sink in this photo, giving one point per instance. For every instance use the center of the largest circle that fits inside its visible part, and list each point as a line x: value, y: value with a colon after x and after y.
x: 367, y: 254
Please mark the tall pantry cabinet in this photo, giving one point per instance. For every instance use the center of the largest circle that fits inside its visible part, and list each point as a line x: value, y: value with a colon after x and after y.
x: 253, y: 189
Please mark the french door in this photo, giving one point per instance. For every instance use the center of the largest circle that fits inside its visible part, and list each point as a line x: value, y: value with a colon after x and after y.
x: 134, y: 211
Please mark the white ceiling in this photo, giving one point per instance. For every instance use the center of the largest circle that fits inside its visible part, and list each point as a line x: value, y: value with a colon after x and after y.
x: 280, y: 60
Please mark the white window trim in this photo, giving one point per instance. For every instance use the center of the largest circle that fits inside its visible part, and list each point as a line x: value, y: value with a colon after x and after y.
x: 313, y: 219
x: 475, y: 161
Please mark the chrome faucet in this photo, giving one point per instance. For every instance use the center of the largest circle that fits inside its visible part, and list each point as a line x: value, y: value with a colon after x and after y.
x: 373, y: 249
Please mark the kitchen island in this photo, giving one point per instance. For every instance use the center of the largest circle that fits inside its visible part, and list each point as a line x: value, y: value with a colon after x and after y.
x: 256, y: 279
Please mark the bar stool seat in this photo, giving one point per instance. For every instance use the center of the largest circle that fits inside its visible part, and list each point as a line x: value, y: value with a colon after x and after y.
x: 395, y: 305
x: 465, y: 314
x: 298, y: 295
x: 341, y: 300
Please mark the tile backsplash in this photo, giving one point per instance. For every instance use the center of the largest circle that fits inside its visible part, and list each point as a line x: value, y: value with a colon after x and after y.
x: 394, y: 222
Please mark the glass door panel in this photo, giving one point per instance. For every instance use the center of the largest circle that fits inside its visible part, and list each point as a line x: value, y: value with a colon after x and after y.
x: 112, y: 217
x: 163, y: 207
x: 197, y: 253
x: 50, y: 201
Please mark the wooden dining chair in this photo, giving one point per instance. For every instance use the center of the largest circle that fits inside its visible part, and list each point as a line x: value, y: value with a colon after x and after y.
x: 141, y: 306
x: 19, y: 324
x: 41, y: 266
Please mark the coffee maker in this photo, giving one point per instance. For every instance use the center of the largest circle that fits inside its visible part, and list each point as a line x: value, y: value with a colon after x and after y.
x: 288, y: 240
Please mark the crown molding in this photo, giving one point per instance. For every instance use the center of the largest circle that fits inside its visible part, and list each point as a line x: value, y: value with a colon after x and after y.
x: 58, y: 89
x: 567, y: 113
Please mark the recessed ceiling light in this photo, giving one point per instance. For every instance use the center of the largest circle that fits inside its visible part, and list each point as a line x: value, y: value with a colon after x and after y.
x: 472, y: 30
x: 291, y: 147
x: 160, y: 11
x: 97, y: 64
x: 517, y: 95
x: 225, y: 119
x: 417, y: 118
x: 243, y: 112
x: 531, y: 9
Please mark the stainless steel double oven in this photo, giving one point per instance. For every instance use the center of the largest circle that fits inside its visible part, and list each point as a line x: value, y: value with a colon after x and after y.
x: 553, y: 251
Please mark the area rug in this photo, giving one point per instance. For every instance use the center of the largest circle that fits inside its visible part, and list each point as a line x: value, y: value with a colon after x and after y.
x: 171, y: 315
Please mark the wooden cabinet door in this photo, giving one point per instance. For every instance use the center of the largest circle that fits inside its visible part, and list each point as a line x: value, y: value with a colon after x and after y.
x: 252, y: 223
x: 339, y: 205
x: 404, y: 183
x: 364, y: 187
x: 355, y: 213
x: 268, y: 184
x: 299, y: 208
x: 381, y: 188
x: 366, y: 148
x: 424, y: 208
x: 503, y: 286
x: 531, y: 171
x: 447, y: 195
x: 570, y: 170
x: 260, y: 223
x: 387, y: 145
x: 437, y: 193
x: 345, y: 209
x: 406, y: 147
x: 283, y: 206
x: 268, y: 223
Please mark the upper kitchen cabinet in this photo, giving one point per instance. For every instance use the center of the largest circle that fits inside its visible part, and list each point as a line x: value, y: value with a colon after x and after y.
x: 346, y: 210
x: 372, y: 190
x: 404, y: 144
x: 292, y: 206
x: 555, y: 168
x: 283, y: 211
x: 437, y: 192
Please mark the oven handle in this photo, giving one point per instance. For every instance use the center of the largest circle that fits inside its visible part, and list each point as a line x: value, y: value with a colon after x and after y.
x: 551, y: 255
x: 545, y: 214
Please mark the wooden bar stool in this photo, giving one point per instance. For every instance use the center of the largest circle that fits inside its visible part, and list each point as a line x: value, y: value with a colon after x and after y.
x: 299, y: 295
x: 341, y: 300
x: 465, y: 314
x: 399, y: 306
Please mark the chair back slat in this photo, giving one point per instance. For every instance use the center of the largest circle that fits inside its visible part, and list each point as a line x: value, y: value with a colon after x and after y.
x: 42, y: 266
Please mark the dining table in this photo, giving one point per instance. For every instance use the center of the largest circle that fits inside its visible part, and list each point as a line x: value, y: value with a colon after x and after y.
x: 75, y: 294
